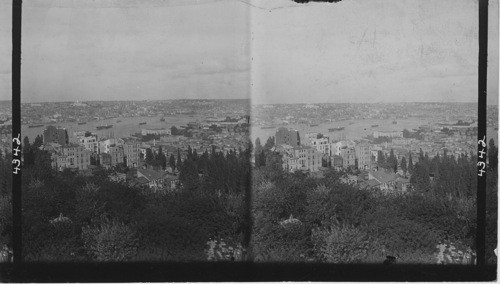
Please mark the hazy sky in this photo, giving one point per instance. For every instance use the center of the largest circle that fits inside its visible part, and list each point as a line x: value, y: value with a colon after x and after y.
x: 130, y: 49
x: 368, y: 51
x: 5, y: 51
x: 280, y: 51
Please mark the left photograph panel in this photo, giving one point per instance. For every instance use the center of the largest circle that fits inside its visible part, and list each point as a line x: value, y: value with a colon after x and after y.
x: 6, y: 254
x: 135, y: 130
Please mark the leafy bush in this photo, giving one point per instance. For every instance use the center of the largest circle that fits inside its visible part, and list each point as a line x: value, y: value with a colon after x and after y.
x: 179, y: 225
x: 56, y: 241
x: 319, y: 207
x: 451, y: 253
x: 341, y: 244
x: 110, y: 241
x: 88, y: 207
x: 451, y: 219
x: 281, y: 241
x: 397, y: 234
x: 5, y: 220
x: 491, y: 216
x: 220, y: 250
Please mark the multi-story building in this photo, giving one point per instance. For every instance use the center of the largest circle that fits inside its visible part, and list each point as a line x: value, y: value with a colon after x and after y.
x: 59, y: 162
x: 286, y: 136
x: 89, y: 142
x: 53, y: 134
x: 116, y: 154
x: 309, y: 158
x: 105, y: 160
x: 335, y: 147
x: 304, y: 158
x: 71, y: 156
x: 336, y: 162
x: 348, y: 157
x: 113, y: 157
x: 105, y: 145
x: 364, y: 156
x: 319, y: 142
x: 291, y: 163
x: 132, y: 152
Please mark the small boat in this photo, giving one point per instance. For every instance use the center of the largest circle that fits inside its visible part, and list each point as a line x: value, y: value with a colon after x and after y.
x: 142, y: 123
x: 104, y: 126
x: 268, y: 127
x: 313, y: 125
x: 394, y: 122
x: 375, y: 125
x: 118, y: 121
x: 81, y: 123
x: 336, y: 129
x: 162, y: 119
x: 36, y: 125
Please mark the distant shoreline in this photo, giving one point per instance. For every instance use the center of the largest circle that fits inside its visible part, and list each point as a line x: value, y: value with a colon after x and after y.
x: 247, y: 99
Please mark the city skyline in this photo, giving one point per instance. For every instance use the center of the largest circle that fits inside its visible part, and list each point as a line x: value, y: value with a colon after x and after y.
x: 229, y: 99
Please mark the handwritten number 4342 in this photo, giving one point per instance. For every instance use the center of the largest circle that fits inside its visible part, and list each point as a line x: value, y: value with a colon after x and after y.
x: 482, y: 164
x: 16, y: 152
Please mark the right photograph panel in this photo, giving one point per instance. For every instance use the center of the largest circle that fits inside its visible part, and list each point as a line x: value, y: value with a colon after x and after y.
x: 364, y: 124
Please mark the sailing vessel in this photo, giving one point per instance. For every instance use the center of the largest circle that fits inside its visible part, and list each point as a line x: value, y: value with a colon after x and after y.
x: 336, y: 129
x: 104, y: 126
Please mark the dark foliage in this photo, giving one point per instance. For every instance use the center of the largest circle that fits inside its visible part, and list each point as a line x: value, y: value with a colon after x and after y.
x: 331, y: 215
x: 71, y: 217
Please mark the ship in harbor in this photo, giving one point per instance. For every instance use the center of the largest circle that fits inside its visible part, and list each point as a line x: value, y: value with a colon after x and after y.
x: 162, y: 119
x: 375, y: 125
x: 394, y: 122
x: 104, y: 126
x: 336, y: 129
x: 142, y: 123
x: 313, y: 125
x: 81, y: 123
x: 34, y: 126
x: 268, y: 127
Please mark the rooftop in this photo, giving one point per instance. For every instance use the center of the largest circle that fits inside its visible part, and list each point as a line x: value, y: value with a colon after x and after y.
x: 383, y: 176
x: 151, y: 175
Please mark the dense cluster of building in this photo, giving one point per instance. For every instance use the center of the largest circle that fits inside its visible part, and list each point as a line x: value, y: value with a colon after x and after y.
x: 83, y: 150
x: 88, y: 152
x: 87, y: 149
x: 318, y: 152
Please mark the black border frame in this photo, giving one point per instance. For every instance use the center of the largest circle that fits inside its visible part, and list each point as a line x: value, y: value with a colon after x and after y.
x: 152, y: 272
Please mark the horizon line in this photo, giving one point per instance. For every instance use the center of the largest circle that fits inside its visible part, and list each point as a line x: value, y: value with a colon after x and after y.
x: 226, y: 99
